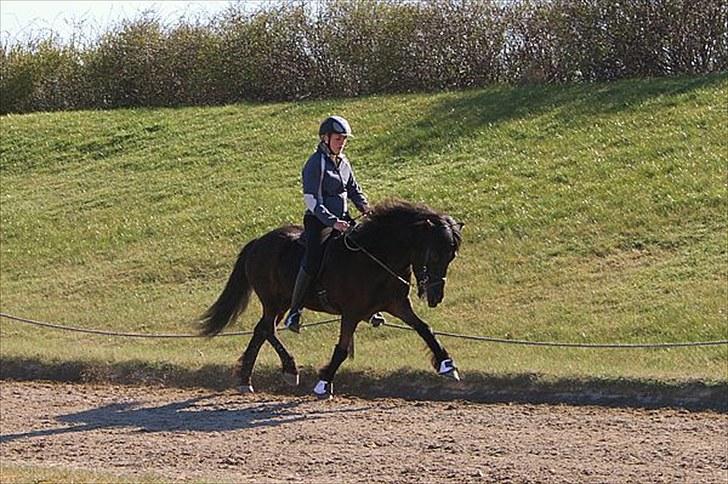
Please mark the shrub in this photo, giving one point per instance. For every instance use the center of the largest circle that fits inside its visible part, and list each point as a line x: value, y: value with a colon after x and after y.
x: 347, y: 48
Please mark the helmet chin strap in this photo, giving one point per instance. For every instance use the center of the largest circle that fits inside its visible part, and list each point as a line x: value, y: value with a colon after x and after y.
x: 325, y: 142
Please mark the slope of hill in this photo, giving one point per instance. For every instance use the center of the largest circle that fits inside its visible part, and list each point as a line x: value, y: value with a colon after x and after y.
x: 594, y: 213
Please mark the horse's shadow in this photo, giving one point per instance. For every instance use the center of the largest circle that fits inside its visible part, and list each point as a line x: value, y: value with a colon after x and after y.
x: 191, y: 415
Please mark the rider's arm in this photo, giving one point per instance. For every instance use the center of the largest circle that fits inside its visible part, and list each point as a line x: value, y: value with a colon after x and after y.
x: 355, y: 193
x: 313, y: 198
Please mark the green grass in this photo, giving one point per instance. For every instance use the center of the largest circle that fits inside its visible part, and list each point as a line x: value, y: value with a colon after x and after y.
x: 25, y: 474
x: 594, y: 213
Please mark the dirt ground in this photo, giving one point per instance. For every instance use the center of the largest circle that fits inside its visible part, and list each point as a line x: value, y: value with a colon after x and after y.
x: 230, y: 437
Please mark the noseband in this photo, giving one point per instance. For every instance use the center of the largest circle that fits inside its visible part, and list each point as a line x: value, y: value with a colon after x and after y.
x: 424, y: 283
x: 423, y: 277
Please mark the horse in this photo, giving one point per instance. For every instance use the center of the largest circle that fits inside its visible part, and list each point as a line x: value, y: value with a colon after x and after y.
x: 366, y: 270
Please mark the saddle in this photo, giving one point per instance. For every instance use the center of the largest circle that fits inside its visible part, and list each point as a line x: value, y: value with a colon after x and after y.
x: 327, y: 235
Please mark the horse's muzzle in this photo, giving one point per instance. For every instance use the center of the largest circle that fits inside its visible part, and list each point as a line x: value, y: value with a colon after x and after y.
x: 435, y: 297
x: 435, y: 292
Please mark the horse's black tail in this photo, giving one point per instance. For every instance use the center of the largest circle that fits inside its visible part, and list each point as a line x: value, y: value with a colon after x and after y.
x: 232, y: 301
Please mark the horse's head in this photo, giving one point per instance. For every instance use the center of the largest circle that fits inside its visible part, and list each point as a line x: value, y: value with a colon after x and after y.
x: 440, y: 239
x: 431, y: 239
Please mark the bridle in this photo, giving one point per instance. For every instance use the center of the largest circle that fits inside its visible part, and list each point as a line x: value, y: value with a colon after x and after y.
x: 422, y: 275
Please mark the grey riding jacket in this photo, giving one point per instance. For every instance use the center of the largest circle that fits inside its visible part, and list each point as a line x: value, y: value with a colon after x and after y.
x: 327, y: 185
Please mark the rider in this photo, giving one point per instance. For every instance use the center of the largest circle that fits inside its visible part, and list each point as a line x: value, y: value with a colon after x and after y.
x: 328, y: 180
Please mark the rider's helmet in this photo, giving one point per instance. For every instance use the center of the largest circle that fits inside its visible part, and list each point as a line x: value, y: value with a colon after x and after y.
x: 335, y: 124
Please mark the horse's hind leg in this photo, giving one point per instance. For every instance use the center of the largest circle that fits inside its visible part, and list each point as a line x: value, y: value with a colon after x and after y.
x: 288, y: 363
x: 246, y: 362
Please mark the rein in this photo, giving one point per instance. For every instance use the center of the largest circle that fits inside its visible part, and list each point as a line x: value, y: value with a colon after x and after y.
x: 384, y: 266
x: 422, y: 284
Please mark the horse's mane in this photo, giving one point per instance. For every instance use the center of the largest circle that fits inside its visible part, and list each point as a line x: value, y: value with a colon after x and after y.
x: 390, y: 216
x: 396, y: 211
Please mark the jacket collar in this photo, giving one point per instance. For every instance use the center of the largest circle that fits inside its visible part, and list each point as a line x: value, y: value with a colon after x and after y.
x: 323, y: 148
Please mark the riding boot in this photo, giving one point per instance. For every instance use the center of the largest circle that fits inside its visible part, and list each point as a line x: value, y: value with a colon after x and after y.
x: 293, y: 321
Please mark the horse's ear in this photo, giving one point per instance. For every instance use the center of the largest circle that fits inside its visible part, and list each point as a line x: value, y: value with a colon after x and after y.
x: 460, y: 225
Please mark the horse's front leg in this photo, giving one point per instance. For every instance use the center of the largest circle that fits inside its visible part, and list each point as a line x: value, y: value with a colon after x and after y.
x: 441, y: 360
x: 325, y: 387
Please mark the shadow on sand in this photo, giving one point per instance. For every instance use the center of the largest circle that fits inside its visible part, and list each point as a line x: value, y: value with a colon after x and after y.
x: 208, y: 413
x: 407, y: 384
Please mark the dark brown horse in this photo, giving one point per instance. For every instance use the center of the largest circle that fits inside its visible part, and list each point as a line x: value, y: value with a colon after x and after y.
x: 364, y: 271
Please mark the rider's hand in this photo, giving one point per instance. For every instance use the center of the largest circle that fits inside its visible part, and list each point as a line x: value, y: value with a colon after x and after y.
x: 341, y: 226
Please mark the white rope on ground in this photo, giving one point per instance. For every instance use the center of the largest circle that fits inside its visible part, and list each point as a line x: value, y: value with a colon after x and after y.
x: 567, y: 345
x: 139, y: 335
x: 487, y: 339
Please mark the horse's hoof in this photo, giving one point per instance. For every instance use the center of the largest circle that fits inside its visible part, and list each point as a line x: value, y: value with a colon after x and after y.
x: 377, y: 319
x: 452, y: 374
x: 291, y: 378
x: 324, y: 390
x: 246, y: 389
x: 448, y: 370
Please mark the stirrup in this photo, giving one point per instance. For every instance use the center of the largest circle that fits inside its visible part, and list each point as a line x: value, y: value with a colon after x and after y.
x: 377, y: 319
x: 293, y: 321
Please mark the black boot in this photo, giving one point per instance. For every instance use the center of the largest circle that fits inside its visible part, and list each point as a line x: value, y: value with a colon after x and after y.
x: 293, y: 321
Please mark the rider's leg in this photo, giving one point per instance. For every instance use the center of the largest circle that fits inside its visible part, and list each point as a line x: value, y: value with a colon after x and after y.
x: 308, y: 270
x: 303, y: 280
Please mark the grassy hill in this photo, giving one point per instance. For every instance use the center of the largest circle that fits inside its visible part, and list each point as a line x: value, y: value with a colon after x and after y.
x: 594, y: 213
